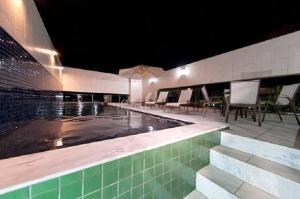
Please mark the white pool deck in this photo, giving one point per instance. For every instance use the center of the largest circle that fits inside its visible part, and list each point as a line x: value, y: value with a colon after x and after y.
x: 286, y: 133
x: 29, y: 169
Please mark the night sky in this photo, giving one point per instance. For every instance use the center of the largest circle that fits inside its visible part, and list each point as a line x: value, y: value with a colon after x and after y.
x: 109, y: 35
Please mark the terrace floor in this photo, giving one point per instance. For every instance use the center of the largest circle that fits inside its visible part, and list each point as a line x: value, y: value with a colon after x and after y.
x: 286, y: 133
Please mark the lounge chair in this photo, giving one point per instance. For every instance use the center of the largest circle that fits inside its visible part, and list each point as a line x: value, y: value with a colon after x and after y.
x: 161, y: 100
x: 184, y: 99
x: 285, y: 99
x: 146, y: 99
x: 244, y: 94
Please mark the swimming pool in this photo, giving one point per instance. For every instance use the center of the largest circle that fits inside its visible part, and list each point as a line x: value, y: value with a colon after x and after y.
x: 70, y: 124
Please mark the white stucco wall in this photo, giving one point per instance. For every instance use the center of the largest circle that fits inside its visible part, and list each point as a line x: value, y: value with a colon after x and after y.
x: 276, y: 57
x: 78, y: 80
x: 21, y: 19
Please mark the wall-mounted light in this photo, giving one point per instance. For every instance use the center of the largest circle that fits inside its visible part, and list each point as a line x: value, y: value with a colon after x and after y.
x: 46, y: 51
x: 18, y: 3
x: 153, y: 80
x: 58, y: 142
x: 51, y: 53
x: 150, y: 128
x: 59, y: 68
x: 182, y: 71
x: 55, y: 67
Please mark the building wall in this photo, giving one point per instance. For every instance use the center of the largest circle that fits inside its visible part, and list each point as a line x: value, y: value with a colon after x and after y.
x: 276, y: 57
x: 21, y: 19
x: 78, y: 80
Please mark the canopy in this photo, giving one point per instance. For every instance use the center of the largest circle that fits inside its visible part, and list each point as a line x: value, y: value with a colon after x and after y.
x: 141, y: 71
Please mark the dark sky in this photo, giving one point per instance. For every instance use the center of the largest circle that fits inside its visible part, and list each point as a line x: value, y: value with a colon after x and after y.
x: 108, y: 35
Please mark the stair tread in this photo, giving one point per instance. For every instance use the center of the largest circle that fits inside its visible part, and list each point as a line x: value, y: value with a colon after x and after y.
x: 247, y: 191
x: 232, y: 184
x: 195, y: 195
x: 246, y: 134
x: 223, y: 179
x: 240, y: 155
x: 276, y: 153
x: 268, y: 165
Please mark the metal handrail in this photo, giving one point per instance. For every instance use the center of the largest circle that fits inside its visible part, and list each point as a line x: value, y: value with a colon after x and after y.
x: 124, y: 101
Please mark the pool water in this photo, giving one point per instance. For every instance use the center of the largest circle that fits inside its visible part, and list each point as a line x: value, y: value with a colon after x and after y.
x: 71, y: 124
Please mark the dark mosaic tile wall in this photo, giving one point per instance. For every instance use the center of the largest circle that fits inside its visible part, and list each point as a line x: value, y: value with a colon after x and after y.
x: 27, y: 89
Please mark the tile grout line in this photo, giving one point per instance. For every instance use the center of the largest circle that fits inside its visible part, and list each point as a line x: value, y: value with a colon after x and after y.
x: 101, y: 187
x: 59, y: 187
x: 92, y: 192
x: 131, y: 184
x: 118, y: 178
x: 82, y: 184
x: 29, y: 192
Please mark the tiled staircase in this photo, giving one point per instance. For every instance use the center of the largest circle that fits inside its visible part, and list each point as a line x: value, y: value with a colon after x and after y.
x: 248, y: 168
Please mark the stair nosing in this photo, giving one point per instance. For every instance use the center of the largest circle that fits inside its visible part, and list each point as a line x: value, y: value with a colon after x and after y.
x: 218, y: 182
x: 235, y: 133
x: 193, y: 192
x: 249, y: 161
x: 235, y: 193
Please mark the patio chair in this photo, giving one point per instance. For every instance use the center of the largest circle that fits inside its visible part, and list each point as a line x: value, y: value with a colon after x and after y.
x: 146, y: 99
x: 226, y: 93
x: 285, y: 99
x: 161, y: 100
x: 209, y: 101
x: 244, y: 94
x: 184, y: 99
x: 243, y: 113
x: 226, y: 97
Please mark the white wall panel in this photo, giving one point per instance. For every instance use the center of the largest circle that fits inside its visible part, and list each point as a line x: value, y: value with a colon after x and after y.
x: 294, y: 59
x: 79, y: 80
x: 276, y: 57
